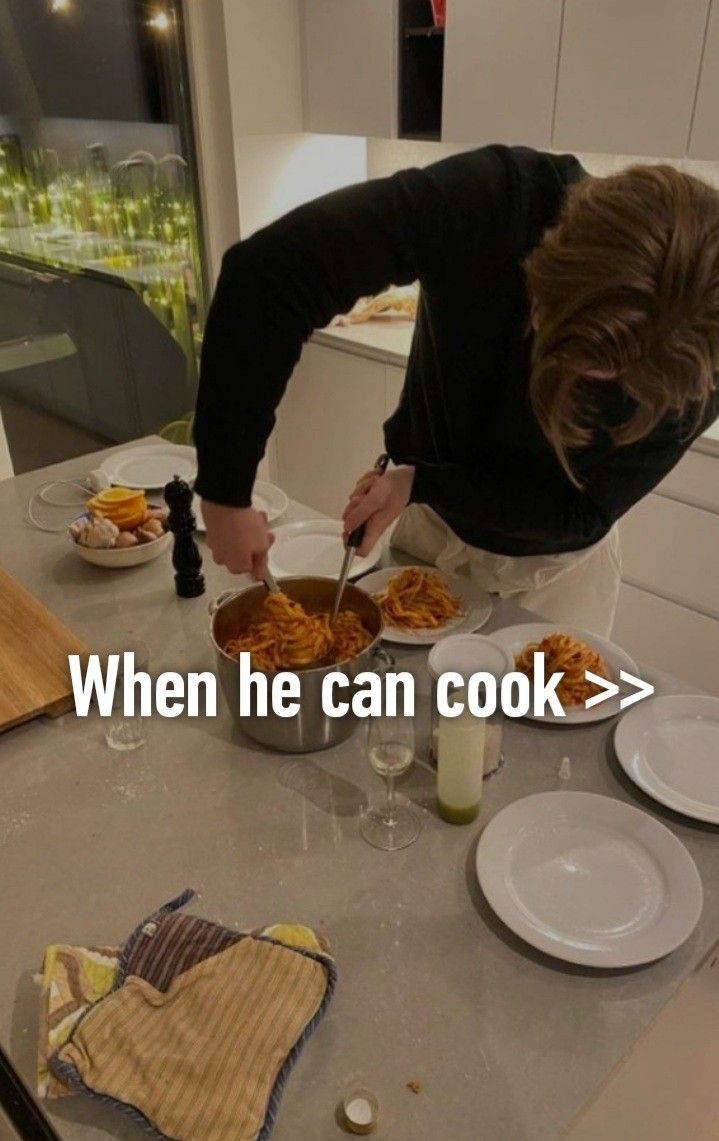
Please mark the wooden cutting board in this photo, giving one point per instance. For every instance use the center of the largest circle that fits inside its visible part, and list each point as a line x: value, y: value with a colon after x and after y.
x: 34, y: 674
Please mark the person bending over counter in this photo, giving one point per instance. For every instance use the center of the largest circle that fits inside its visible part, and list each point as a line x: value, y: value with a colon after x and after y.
x: 563, y: 360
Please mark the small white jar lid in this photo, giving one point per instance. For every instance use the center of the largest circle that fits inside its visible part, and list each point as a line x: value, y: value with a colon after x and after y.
x: 468, y: 654
x: 360, y: 1110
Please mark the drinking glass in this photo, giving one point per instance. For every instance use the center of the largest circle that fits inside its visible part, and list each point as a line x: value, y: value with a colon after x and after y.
x: 125, y: 733
x: 390, y: 748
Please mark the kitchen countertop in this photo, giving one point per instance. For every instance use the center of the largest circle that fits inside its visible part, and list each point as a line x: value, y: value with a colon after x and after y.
x: 506, y: 1043
x: 389, y: 340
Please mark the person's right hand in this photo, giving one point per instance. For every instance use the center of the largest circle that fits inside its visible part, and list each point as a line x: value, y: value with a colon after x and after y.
x: 377, y: 500
x: 238, y: 537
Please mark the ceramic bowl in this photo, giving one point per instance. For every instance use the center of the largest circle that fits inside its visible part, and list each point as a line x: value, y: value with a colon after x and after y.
x: 124, y: 556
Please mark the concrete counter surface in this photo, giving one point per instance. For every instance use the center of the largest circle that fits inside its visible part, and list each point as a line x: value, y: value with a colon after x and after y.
x: 504, y: 1042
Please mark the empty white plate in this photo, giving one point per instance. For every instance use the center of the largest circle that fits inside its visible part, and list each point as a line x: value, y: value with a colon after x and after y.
x: 314, y: 547
x: 150, y: 466
x: 270, y: 499
x: 476, y: 604
x: 669, y: 746
x: 589, y: 879
x: 515, y: 638
x: 265, y: 497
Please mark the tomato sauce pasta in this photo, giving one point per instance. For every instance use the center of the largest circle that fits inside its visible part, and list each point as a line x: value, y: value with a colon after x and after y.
x: 283, y: 636
x: 567, y: 655
x: 417, y: 599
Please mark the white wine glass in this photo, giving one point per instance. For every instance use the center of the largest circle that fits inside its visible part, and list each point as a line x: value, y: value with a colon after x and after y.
x: 390, y: 748
x: 122, y: 733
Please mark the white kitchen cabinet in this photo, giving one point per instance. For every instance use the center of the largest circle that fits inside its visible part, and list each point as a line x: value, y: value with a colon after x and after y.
x: 628, y: 72
x: 668, y: 614
x: 329, y: 426
x: 668, y: 637
x: 500, y: 62
x: 704, y: 141
x: 694, y: 480
x: 263, y: 57
x: 672, y: 549
x: 394, y: 383
x: 350, y: 66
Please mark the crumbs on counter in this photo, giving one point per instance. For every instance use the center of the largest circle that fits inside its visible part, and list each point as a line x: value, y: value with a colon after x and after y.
x: 414, y: 1087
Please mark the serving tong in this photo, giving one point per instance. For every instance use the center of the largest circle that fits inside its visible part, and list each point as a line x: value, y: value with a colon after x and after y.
x: 354, y: 540
x: 271, y: 582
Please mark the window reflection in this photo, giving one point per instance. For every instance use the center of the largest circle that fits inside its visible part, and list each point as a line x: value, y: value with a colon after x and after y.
x: 96, y: 156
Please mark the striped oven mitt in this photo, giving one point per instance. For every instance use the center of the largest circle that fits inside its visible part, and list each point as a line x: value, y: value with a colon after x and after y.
x: 197, y: 1041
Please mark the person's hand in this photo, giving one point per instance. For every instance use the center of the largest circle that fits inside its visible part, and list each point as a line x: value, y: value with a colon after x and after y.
x: 238, y: 537
x: 377, y: 500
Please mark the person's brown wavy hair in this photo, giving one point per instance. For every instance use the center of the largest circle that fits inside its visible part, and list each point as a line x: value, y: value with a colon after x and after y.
x: 626, y: 285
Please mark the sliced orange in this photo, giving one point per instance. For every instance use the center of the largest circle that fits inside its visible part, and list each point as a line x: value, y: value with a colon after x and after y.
x: 129, y: 522
x: 124, y: 507
x: 113, y: 498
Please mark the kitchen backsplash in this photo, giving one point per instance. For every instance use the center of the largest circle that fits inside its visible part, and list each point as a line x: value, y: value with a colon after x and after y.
x: 385, y: 156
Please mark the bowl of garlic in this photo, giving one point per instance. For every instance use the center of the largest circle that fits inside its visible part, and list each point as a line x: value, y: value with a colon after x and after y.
x: 120, y: 529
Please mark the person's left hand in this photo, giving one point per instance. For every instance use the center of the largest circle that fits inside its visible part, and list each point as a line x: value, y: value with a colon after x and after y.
x: 377, y: 500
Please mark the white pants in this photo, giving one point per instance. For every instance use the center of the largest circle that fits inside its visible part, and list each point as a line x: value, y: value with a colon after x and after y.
x: 578, y: 588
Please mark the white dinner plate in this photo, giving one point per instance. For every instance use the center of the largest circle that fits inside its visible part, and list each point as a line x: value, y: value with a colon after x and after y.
x: 476, y: 607
x: 150, y: 466
x: 314, y: 547
x: 265, y: 497
x: 515, y: 638
x: 589, y: 879
x: 669, y: 746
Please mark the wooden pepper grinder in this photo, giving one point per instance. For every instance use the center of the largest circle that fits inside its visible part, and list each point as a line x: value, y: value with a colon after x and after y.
x: 186, y: 557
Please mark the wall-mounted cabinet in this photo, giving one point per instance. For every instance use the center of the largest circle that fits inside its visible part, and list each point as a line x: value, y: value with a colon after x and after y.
x: 350, y: 67
x: 500, y: 68
x: 704, y: 141
x: 263, y: 64
x: 628, y: 73
x: 636, y: 77
x: 371, y: 68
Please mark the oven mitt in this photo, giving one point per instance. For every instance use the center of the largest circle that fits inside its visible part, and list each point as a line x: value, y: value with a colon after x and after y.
x: 197, y: 1042
x: 71, y: 980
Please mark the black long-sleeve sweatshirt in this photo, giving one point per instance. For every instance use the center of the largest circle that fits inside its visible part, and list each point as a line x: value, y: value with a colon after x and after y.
x: 462, y: 227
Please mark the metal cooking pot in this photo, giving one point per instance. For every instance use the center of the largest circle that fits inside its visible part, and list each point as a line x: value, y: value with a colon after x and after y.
x: 311, y: 729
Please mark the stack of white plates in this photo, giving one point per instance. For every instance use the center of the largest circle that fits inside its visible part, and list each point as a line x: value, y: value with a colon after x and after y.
x: 150, y: 466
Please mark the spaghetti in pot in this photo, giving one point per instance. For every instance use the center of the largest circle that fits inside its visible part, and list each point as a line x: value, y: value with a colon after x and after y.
x: 567, y: 655
x: 283, y: 636
x: 417, y: 599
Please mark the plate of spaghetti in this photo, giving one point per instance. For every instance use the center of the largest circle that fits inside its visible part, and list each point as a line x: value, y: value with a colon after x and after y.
x: 283, y: 635
x: 571, y: 651
x: 420, y: 605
